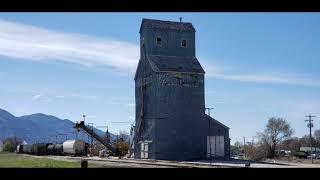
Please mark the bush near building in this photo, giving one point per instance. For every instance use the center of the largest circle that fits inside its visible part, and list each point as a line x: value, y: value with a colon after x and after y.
x: 10, y: 144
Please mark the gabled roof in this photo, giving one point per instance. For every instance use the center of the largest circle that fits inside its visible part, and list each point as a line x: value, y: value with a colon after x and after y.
x: 208, y: 117
x: 158, y: 24
x: 175, y: 64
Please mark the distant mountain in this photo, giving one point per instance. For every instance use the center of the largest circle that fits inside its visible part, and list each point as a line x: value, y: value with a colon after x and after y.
x: 14, y: 126
x: 40, y: 128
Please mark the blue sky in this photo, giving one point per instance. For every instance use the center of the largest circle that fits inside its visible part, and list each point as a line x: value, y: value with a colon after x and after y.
x: 257, y: 65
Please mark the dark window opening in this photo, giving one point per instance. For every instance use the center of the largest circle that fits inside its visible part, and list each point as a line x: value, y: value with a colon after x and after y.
x: 184, y: 43
x: 159, y: 41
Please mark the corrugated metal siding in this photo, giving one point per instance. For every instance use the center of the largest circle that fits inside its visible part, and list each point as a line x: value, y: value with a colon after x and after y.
x: 179, y: 124
x: 175, y: 120
x: 175, y: 64
x: 171, y: 42
x: 158, y: 24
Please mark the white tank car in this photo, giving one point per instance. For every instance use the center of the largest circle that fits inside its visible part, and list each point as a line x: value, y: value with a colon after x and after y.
x: 74, y: 147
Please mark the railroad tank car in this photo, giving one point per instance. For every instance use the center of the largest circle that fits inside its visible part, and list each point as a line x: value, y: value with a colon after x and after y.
x: 26, y: 148
x: 39, y: 149
x: 58, y: 149
x: 74, y: 147
x: 50, y: 149
x: 19, y: 149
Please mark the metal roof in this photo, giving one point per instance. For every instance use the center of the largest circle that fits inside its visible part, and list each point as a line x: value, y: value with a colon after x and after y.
x: 175, y: 64
x: 158, y: 24
x: 208, y: 117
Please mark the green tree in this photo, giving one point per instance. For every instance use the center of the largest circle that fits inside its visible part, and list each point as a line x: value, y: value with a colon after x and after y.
x: 10, y: 144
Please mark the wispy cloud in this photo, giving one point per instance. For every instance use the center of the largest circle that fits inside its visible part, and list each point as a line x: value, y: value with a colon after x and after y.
x: 39, y: 44
x: 35, y: 97
x: 41, y: 97
x: 228, y: 73
x: 278, y: 78
x: 50, y: 97
x: 34, y: 43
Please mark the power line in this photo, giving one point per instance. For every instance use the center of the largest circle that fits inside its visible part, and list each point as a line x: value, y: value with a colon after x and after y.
x: 310, y: 126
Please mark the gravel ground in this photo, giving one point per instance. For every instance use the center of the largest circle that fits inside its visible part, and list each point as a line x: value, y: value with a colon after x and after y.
x: 113, y: 162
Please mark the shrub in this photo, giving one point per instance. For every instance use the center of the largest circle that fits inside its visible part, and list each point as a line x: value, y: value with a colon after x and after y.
x: 11, y: 143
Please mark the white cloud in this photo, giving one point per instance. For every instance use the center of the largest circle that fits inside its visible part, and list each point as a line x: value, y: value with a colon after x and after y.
x: 39, y: 44
x: 227, y: 73
x: 271, y: 78
x: 41, y: 97
x: 36, y: 97
x: 49, y: 97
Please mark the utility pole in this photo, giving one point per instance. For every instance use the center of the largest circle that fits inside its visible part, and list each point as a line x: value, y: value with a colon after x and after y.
x: 209, y: 109
x: 244, y: 144
x: 310, y: 126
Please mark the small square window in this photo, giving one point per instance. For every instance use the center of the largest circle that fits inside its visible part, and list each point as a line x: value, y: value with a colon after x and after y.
x: 159, y: 41
x: 183, y: 43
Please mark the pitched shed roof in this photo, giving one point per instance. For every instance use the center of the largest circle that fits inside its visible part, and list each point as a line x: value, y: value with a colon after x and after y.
x: 208, y: 117
x: 180, y: 26
x: 175, y: 64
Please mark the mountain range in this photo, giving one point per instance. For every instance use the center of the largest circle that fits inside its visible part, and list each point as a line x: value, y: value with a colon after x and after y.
x: 40, y: 127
